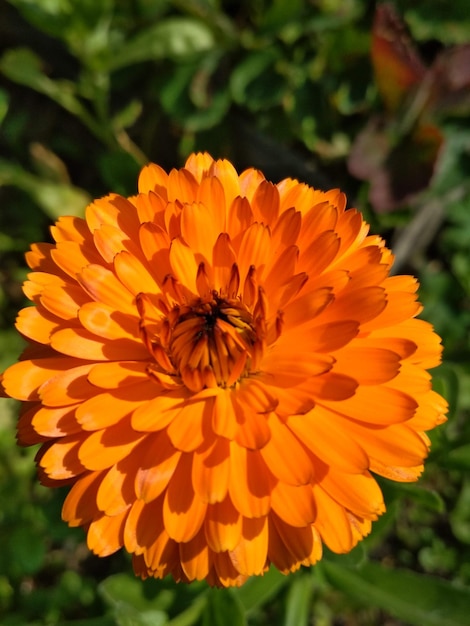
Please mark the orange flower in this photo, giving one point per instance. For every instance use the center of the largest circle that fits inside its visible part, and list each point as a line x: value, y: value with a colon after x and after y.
x: 216, y: 366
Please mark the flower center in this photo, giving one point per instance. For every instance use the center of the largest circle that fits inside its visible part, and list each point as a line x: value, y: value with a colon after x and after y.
x: 209, y: 342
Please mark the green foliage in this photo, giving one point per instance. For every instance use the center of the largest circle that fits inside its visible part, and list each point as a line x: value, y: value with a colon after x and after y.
x: 418, y: 600
x: 89, y: 91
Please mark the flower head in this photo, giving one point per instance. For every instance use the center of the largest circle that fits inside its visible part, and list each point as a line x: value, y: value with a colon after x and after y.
x: 216, y: 366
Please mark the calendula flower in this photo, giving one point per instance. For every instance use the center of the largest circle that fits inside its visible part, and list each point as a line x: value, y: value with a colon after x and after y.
x: 216, y: 366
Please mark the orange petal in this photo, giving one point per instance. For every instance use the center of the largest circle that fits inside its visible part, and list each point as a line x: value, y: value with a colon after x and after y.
x: 379, y: 405
x: 398, y: 445
x: 200, y: 240
x: 360, y: 305
x: 104, y: 321
x: 430, y: 413
x: 224, y: 421
x: 223, y: 526
x: 240, y: 217
x: 289, y: 368
x: 39, y: 258
x: 305, y: 308
x: 210, y: 471
x: 285, y: 456
x: 182, y: 186
x: 320, y: 253
x: 224, y: 171
x: 116, y: 491
x: 183, y: 264
x: 38, y: 324
x: 56, y: 422
x: 72, y: 257
x: 158, y: 461
x: 115, y: 210
x: 61, y: 460
x: 103, y: 286
x: 106, y: 534
x: 359, y: 493
x: 118, y: 374
x: 333, y: 386
x: 250, y: 180
x: 22, y: 380
x: 286, y: 230
x: 290, y: 547
x: 250, y: 482
x: 159, y: 412
x: 80, y: 504
x: 326, y: 337
x: 294, y: 504
x: 190, y: 425
x: 133, y: 274
x: 144, y: 525
x: 199, y: 164
x: 292, y: 400
x: 69, y: 228
x: 400, y: 474
x: 25, y: 431
x: 280, y: 272
x: 369, y: 366
x: 183, y: 510
x: 249, y: 556
x: 155, y: 244
x: 255, y: 249
x: 110, y: 240
x: 103, y: 448
x: 195, y: 557
x: 327, y: 436
x: 265, y: 203
x: 223, y: 258
x: 80, y: 343
x: 64, y: 300
x: 152, y: 176
x: 332, y: 522
x: 320, y: 217
x: 253, y: 432
x: 162, y: 557
x: 105, y: 409
x: 227, y: 575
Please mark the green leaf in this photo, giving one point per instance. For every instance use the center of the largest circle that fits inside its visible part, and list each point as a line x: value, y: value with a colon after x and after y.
x: 460, y: 516
x: 459, y: 458
x: 223, y: 607
x: 23, y: 66
x: 298, y: 601
x: 125, y: 596
x: 424, y: 497
x: 92, y: 621
x: 194, y: 107
x: 122, y: 589
x: 190, y: 615
x: 174, y: 38
x: 27, y: 549
x: 354, y: 558
x: 259, y: 589
x: 417, y: 599
x: 127, y: 616
x: 54, y: 198
x: 4, y: 103
x: 255, y: 83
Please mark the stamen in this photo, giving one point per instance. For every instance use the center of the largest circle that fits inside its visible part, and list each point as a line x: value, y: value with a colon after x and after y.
x: 212, y: 341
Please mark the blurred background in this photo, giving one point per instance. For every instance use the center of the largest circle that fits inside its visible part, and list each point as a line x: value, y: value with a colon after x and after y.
x: 371, y: 98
